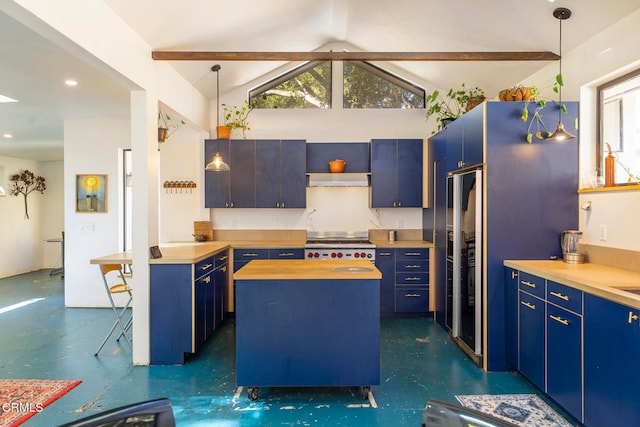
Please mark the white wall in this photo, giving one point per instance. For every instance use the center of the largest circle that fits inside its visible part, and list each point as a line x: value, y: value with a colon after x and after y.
x: 53, y: 212
x: 609, y: 54
x: 21, y: 239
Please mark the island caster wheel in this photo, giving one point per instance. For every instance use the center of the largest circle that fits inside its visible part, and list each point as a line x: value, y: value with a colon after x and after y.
x: 365, y: 392
x: 253, y: 392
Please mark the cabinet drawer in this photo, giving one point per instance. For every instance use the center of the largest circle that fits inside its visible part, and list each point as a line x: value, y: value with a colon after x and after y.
x: 249, y: 254
x: 410, y: 254
x: 221, y: 258
x: 532, y: 303
x: 412, y: 300
x: 412, y: 279
x: 564, y: 296
x: 412, y: 266
x: 297, y: 253
x: 532, y: 284
x: 203, y: 267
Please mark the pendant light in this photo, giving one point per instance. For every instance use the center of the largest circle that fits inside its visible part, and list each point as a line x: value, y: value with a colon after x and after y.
x: 561, y: 134
x: 217, y: 164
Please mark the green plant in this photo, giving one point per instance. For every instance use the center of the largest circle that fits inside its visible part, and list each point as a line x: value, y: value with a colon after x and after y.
x: 164, y: 123
x: 24, y: 183
x: 536, y: 118
x: 237, y: 117
x: 452, y: 105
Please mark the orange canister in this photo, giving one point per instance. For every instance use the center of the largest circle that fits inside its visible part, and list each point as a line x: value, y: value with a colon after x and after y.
x: 609, y: 169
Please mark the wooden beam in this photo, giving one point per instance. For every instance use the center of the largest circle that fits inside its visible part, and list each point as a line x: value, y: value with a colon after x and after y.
x: 353, y: 56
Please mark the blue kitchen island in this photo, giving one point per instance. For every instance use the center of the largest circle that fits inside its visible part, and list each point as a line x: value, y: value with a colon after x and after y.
x: 307, y: 323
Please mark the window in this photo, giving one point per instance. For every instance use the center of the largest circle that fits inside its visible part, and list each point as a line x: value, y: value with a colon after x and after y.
x: 367, y: 86
x: 308, y: 86
x: 619, y: 126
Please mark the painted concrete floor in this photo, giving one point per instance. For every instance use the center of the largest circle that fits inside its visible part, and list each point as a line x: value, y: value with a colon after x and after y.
x: 44, y: 340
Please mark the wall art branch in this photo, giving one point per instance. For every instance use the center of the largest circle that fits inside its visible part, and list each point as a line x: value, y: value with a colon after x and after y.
x: 25, y: 183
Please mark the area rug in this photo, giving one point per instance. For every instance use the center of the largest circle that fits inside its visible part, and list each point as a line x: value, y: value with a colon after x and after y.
x: 520, y: 409
x: 22, y: 399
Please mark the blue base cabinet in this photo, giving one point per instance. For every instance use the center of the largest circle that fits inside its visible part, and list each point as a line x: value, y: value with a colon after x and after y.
x: 531, y: 341
x: 611, y: 363
x: 385, y: 262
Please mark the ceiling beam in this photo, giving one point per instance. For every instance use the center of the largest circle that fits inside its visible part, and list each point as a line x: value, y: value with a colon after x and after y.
x: 353, y: 56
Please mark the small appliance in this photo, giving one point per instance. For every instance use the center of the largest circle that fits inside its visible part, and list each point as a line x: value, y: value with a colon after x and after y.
x: 569, y: 243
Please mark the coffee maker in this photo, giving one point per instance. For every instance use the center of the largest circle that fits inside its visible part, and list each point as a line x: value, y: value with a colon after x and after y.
x: 569, y: 243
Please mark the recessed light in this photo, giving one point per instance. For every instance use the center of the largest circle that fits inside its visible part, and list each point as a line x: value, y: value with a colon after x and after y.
x: 7, y: 135
x: 551, y: 1
x: 7, y: 99
x: 71, y: 83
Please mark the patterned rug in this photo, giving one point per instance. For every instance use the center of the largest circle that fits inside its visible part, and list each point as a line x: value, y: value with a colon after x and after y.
x: 22, y: 399
x: 520, y: 409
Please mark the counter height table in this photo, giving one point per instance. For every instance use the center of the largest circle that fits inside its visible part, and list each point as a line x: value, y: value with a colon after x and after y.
x: 307, y: 323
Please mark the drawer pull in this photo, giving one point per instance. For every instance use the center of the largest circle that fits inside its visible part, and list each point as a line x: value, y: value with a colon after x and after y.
x: 528, y: 304
x: 224, y: 269
x: 411, y: 279
x: 412, y: 266
x: 632, y: 317
x: 222, y: 258
x: 207, y: 279
x: 514, y: 274
x: 559, y: 295
x: 283, y: 254
x: 206, y: 267
x: 412, y: 254
x: 531, y: 285
x: 412, y: 295
x: 250, y: 254
x: 559, y: 320
x: 385, y: 253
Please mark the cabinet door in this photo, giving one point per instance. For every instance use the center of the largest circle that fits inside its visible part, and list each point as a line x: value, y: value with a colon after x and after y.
x: 564, y: 359
x: 201, y: 302
x: 267, y: 174
x: 221, y: 276
x: 243, y: 168
x: 473, y: 137
x: 531, y: 339
x: 611, y: 363
x: 511, y: 317
x: 409, y: 173
x: 410, y: 300
x: 385, y: 262
x: 384, y: 173
x: 454, y: 145
x: 293, y: 186
x: 216, y: 184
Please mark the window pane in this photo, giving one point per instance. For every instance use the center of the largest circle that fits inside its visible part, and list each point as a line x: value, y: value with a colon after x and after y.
x: 367, y: 86
x: 306, y: 87
x: 620, y: 127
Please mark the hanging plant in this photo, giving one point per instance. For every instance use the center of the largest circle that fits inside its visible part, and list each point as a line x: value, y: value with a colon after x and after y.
x: 25, y: 183
x: 165, y: 129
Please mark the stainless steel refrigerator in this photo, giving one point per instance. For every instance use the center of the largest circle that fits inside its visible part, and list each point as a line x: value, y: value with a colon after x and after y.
x: 464, y: 260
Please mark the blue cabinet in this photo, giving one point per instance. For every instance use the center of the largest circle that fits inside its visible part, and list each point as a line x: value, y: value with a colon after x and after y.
x: 611, y: 367
x: 511, y: 316
x: 385, y: 262
x: 412, y: 280
x: 263, y: 174
x: 280, y: 174
x: 531, y: 341
x: 465, y: 140
x: 396, y: 173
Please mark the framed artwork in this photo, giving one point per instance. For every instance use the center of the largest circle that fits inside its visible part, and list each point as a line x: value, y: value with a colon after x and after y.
x: 91, y: 193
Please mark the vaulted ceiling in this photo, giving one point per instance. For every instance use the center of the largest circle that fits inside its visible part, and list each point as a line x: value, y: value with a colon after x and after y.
x: 33, y: 67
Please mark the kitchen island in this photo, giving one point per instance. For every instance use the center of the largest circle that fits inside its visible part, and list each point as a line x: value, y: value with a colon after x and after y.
x: 307, y: 323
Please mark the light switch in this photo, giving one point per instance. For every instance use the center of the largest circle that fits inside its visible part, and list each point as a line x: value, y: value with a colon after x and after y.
x: 603, y: 232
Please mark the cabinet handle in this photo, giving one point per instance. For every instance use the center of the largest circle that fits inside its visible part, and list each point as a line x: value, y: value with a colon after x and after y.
x: 412, y: 266
x: 277, y: 204
x: 226, y: 204
x: 399, y: 204
x: 385, y: 254
x: 282, y: 205
x: 529, y: 305
x: 559, y: 295
x: 224, y: 269
x: 412, y: 254
x: 283, y: 254
x: 559, y: 320
x: 632, y: 317
x: 231, y: 204
x: 206, y: 267
x: 531, y: 285
x: 395, y: 204
x: 207, y: 279
x: 411, y: 279
x: 222, y: 258
x: 412, y: 295
x: 514, y: 274
x: 249, y: 254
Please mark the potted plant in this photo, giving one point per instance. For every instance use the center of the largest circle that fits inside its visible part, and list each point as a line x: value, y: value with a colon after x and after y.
x: 165, y: 129
x: 235, y: 118
x: 452, y: 105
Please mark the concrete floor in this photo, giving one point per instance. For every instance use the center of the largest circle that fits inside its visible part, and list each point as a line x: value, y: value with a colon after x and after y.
x: 418, y: 362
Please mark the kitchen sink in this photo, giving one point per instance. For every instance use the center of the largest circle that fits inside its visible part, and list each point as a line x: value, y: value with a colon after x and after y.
x: 353, y: 269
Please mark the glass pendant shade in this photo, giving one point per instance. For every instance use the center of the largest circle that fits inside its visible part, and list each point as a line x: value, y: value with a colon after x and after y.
x: 217, y: 164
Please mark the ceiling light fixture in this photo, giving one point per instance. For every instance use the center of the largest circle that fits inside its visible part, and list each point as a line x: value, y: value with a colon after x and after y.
x: 560, y: 134
x: 7, y: 99
x: 217, y: 164
x: 71, y: 82
x: 7, y: 135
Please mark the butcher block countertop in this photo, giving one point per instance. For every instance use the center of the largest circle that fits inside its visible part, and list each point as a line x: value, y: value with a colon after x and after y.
x: 606, y: 282
x: 172, y: 253
x: 401, y: 244
x: 299, y: 269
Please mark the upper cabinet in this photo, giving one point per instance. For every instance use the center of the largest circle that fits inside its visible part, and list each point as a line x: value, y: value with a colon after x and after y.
x: 396, y: 173
x: 264, y: 174
x: 464, y: 140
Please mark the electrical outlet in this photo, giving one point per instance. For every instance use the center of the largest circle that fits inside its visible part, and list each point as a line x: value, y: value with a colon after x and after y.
x: 603, y: 232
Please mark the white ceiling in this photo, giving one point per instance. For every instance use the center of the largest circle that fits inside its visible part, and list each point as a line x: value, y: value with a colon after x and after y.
x: 33, y: 69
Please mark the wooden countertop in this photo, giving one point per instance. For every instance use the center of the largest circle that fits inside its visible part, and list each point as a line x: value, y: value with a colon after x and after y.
x: 264, y: 244
x: 606, y: 282
x: 305, y: 270
x: 402, y: 244
x: 172, y: 253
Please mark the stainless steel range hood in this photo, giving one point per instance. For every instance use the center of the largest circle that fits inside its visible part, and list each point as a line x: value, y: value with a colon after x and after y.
x: 338, y: 179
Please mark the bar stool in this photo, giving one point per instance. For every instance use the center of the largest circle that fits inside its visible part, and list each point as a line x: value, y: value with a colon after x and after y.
x: 111, y: 273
